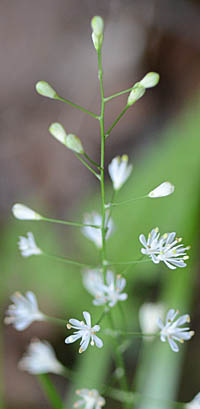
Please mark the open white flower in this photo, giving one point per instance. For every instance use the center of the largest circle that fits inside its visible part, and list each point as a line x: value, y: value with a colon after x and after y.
x: 165, y: 189
x: 148, y: 317
x: 172, y: 330
x: 23, y: 212
x: 93, y: 233
x: 23, y: 311
x: 119, y: 171
x: 110, y: 292
x: 194, y: 404
x: 40, y: 358
x: 28, y: 246
x: 90, y: 399
x: 86, y: 332
x: 165, y: 248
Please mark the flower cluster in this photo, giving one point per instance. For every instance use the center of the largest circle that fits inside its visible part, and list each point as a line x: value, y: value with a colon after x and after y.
x: 90, y: 399
x: 105, y: 293
x: 164, y: 248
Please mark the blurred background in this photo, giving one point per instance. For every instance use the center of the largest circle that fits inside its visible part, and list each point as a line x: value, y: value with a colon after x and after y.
x: 51, y: 41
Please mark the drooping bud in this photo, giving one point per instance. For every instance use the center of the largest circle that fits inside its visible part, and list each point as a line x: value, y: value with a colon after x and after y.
x: 23, y: 212
x: 136, y: 93
x: 45, y: 89
x: 165, y: 189
x: 150, y: 80
x: 74, y: 143
x: 58, y: 131
x: 97, y: 25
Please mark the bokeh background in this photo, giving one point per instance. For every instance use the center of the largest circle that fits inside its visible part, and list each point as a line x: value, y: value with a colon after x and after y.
x: 51, y: 40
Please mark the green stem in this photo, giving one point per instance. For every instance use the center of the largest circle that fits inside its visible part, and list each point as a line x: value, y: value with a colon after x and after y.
x: 55, y: 320
x: 112, y: 263
x: 67, y: 260
x: 118, y: 94
x: 87, y: 166
x: 125, y: 201
x: 101, y: 120
x: 92, y: 161
x: 67, y: 101
x: 74, y: 224
x: 116, y: 121
x: 118, y: 332
x: 50, y: 391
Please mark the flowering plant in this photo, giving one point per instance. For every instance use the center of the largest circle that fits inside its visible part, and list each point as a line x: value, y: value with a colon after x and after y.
x: 101, y: 281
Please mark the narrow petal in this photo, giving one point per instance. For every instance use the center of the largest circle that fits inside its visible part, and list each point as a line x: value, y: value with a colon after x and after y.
x: 87, y: 317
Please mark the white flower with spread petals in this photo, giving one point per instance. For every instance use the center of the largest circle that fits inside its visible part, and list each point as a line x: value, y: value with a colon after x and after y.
x: 119, y: 171
x: 85, y: 332
x: 28, y: 246
x: 165, y: 248
x: 94, y: 234
x: 165, y: 189
x: 90, y: 399
x: 23, y: 311
x: 23, y: 212
x: 40, y: 358
x: 172, y: 330
x: 194, y: 404
x: 110, y: 292
x: 148, y: 317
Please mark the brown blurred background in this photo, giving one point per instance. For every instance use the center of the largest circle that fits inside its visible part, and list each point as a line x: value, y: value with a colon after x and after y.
x: 51, y: 40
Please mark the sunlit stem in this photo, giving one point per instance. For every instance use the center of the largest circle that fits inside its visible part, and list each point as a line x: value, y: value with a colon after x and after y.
x: 68, y: 223
x: 118, y: 94
x: 87, y: 166
x: 50, y: 391
x: 116, y: 121
x: 67, y: 260
x: 108, y: 205
x: 67, y: 101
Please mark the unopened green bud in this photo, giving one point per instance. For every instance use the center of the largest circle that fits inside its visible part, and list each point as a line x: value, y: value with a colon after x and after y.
x: 137, y: 92
x: 43, y: 88
x: 74, y: 143
x: 58, y: 131
x: 150, y: 80
x: 97, y: 34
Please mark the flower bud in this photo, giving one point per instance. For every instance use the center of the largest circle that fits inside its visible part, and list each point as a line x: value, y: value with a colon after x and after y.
x: 137, y: 92
x: 97, y: 25
x: 74, y: 143
x: 23, y: 212
x: 150, y: 80
x: 165, y: 189
x: 45, y: 89
x: 58, y: 131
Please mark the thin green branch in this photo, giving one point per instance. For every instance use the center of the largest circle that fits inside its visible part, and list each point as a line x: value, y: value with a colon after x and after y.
x: 67, y: 260
x: 87, y: 166
x: 113, y: 263
x: 91, y: 161
x: 55, y: 320
x: 116, y: 121
x: 67, y: 101
x: 118, y: 94
x: 68, y: 223
x: 50, y: 391
x: 108, y: 205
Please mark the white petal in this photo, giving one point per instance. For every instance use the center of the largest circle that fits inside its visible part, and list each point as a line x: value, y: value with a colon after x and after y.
x: 165, y: 189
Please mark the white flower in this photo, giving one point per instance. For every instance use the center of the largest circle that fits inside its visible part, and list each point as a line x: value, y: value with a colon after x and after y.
x: 150, y: 80
x: 148, y: 317
x: 85, y: 332
x: 45, y: 89
x: 93, y: 233
x: 23, y: 212
x: 23, y: 311
x: 28, y: 245
x: 165, y: 189
x: 105, y: 293
x: 40, y: 358
x: 119, y: 171
x: 164, y: 248
x: 195, y: 403
x: 172, y: 331
x: 90, y: 399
